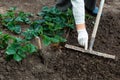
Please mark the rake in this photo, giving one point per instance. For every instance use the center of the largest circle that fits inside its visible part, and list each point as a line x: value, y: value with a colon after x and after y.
x: 90, y: 49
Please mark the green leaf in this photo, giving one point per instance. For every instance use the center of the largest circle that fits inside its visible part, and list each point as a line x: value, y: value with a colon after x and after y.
x: 48, y: 18
x: 17, y: 29
x: 29, y: 34
x: 45, y: 8
x: 70, y: 26
x: 61, y: 39
x: 0, y: 33
x: 13, y: 8
x: 19, y: 19
x: 0, y: 15
x: 12, y: 48
x: 27, y: 20
x: 6, y: 37
x: 54, y: 40
x: 40, y: 31
x: 17, y: 41
x: 10, y: 26
x: 31, y: 48
x: 4, y: 40
x: 10, y: 51
x: 10, y: 14
x: 46, y: 40
x: 22, y: 54
x: 8, y: 20
x: 17, y: 57
x: 38, y: 22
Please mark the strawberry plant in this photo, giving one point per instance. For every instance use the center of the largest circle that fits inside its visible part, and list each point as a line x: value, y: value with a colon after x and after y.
x: 54, y: 24
x: 35, y: 30
x: 15, y: 48
x: 51, y: 26
x: 4, y: 40
x: 19, y: 48
x: 12, y: 20
x: 53, y: 15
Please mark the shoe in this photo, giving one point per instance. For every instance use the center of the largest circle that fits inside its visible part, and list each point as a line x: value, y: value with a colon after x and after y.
x: 94, y: 12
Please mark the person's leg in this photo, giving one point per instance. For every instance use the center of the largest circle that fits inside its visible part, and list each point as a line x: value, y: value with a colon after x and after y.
x: 63, y: 5
x: 90, y: 6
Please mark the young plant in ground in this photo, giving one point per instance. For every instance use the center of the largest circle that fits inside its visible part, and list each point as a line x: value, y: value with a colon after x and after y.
x: 64, y: 19
x: 19, y: 49
x: 15, y: 48
x: 4, y: 40
x: 54, y: 23
x: 12, y: 20
x: 35, y: 30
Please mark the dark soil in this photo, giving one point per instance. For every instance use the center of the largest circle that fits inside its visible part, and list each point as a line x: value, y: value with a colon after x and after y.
x: 66, y: 64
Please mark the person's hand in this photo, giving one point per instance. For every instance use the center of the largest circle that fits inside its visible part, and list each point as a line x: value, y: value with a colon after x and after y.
x: 83, y: 38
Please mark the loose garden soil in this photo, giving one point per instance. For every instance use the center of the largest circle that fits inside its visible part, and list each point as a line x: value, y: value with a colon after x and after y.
x: 65, y: 64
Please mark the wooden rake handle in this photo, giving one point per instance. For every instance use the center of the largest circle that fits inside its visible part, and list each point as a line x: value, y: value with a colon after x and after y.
x: 96, y: 24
